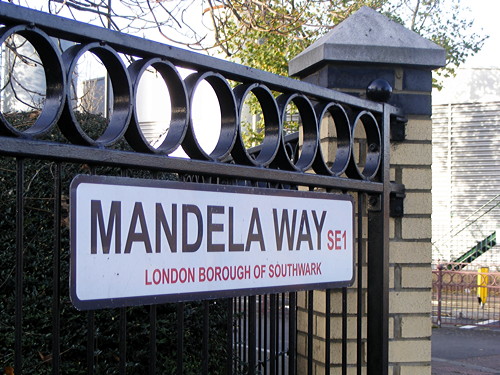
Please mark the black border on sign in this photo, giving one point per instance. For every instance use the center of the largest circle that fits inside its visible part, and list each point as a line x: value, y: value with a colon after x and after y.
x: 191, y: 296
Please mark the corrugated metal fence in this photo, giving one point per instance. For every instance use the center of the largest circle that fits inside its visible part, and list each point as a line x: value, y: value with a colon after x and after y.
x: 466, y: 178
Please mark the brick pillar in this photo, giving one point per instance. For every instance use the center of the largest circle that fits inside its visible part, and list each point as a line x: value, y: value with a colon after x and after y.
x: 365, y: 47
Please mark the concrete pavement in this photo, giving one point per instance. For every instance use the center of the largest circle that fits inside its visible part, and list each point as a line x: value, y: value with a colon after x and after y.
x: 460, y: 351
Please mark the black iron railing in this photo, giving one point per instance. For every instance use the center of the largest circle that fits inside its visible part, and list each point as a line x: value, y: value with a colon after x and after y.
x: 260, y: 332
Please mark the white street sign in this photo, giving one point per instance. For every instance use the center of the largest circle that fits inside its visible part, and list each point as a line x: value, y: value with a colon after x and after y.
x: 137, y: 242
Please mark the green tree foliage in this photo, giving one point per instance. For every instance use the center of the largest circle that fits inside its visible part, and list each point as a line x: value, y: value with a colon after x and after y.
x: 267, y: 35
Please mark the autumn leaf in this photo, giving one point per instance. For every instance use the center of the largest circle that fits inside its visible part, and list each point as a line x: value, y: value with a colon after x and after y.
x: 45, y: 358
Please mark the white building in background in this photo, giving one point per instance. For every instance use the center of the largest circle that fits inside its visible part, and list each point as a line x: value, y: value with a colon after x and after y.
x: 22, y: 83
x: 22, y: 76
x: 466, y: 160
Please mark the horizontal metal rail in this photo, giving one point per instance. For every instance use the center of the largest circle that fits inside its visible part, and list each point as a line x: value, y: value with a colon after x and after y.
x: 74, y: 153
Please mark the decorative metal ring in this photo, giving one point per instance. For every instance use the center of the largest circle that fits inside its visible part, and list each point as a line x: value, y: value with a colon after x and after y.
x: 272, y: 126
x: 373, y: 154
x: 343, y: 129
x: 178, y: 102
x: 55, y: 81
x: 229, y: 117
x: 122, y: 96
x: 310, y: 135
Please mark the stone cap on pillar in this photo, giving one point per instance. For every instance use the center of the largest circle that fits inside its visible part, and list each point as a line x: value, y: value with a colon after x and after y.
x: 368, y: 37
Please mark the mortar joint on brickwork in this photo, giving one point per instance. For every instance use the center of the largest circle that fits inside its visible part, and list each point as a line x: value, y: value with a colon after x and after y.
x: 397, y: 327
x: 398, y: 82
x: 398, y: 171
x: 397, y: 277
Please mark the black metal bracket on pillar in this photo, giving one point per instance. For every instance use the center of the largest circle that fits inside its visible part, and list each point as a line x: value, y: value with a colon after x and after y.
x: 398, y: 128
x: 396, y: 204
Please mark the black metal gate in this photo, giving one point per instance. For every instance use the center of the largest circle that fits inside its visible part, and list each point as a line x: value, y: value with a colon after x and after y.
x: 41, y: 332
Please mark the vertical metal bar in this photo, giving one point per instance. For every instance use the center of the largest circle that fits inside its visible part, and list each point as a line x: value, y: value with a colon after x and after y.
x: 378, y: 266
x: 272, y: 334
x: 292, y: 334
x: 234, y: 308
x: 123, y: 319
x: 439, y: 291
x: 56, y: 266
x: 244, y: 343
x: 328, y: 306
x: 239, y: 341
x: 18, y: 355
x: 180, y: 338
x: 344, y: 331
x: 152, y: 339
x: 359, y: 319
x: 310, y: 317
x: 377, y: 295
x: 91, y: 324
x: 259, y: 331
x: 460, y: 293
x: 206, y: 333
x: 252, y: 343
x: 282, y: 336
x: 123, y: 341
x: 277, y: 333
x: 90, y: 342
x: 266, y: 320
x: 230, y: 341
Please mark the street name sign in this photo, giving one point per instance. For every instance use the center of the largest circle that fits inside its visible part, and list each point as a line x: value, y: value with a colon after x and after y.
x: 138, y: 241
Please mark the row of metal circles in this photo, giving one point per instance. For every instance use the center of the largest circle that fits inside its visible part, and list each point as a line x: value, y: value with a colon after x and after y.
x: 464, y: 278
x: 124, y: 122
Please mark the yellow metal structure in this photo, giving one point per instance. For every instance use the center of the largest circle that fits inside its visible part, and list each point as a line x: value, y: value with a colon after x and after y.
x: 482, y: 285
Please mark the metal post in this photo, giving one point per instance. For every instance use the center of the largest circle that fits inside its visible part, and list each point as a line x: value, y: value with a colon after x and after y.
x: 378, y: 265
x: 18, y: 354
x: 482, y: 284
x: 378, y: 295
x: 252, y: 334
x: 439, y: 291
x: 56, y: 265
